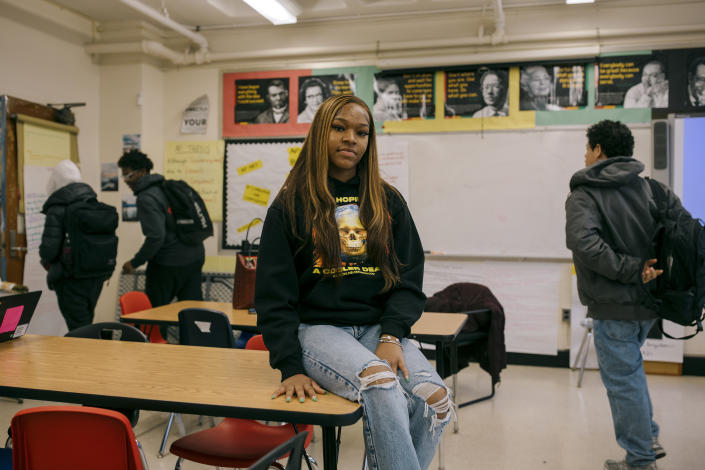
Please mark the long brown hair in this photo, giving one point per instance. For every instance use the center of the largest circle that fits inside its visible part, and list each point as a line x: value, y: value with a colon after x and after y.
x: 307, y: 186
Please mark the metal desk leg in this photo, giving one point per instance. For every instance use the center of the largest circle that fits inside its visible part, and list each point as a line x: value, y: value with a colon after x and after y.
x: 440, y: 367
x: 454, y: 370
x: 330, y: 453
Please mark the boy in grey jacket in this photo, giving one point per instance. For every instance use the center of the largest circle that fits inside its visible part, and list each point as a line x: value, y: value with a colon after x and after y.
x: 609, y: 226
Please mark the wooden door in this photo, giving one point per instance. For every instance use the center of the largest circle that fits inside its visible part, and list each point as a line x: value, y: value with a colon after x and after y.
x: 14, y: 243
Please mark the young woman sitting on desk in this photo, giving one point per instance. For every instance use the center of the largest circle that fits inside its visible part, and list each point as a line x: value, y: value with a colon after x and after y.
x: 338, y: 287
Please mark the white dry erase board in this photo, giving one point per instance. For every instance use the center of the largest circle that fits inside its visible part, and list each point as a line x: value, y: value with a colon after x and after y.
x: 500, y: 193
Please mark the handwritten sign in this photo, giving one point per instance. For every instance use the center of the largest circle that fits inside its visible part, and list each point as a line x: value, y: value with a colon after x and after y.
x: 257, y: 195
x: 250, y: 225
x: 200, y: 164
x: 243, y: 170
x: 294, y: 153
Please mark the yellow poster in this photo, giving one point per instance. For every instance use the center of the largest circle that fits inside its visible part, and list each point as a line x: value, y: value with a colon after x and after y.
x: 200, y: 164
x: 44, y: 146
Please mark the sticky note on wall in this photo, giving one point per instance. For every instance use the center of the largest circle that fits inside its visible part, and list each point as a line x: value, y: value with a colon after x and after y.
x: 249, y: 167
x: 256, y: 195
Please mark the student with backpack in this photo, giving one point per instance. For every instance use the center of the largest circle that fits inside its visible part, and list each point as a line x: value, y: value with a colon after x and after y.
x: 79, y: 245
x: 174, y: 222
x: 610, y: 226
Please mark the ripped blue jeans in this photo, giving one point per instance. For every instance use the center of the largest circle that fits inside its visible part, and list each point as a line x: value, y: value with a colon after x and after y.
x: 401, y: 428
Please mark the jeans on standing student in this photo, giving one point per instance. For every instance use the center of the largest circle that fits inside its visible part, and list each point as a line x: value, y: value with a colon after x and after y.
x: 618, y: 345
x: 388, y: 406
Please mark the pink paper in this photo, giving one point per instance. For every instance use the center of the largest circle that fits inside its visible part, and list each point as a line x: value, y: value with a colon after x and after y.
x: 12, y: 318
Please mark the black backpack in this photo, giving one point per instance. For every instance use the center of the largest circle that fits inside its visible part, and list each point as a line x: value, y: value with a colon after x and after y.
x: 677, y: 295
x: 90, y: 244
x: 193, y: 224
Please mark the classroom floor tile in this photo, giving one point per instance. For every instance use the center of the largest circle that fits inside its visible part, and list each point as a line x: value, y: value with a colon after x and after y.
x: 538, y: 419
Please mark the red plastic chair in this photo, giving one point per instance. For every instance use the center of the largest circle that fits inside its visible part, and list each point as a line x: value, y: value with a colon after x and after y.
x: 73, y: 437
x: 235, y: 442
x: 136, y: 301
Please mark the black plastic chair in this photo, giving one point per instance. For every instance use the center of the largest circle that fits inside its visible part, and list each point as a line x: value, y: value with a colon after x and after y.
x: 294, y: 447
x: 203, y: 327
x: 109, y: 330
x: 200, y: 327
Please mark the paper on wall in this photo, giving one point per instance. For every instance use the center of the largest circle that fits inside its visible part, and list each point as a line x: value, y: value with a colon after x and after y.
x: 195, y: 119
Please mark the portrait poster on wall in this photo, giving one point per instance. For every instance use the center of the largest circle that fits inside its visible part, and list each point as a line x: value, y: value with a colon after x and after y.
x: 477, y: 92
x: 262, y: 101
x: 552, y: 87
x: 696, y: 79
x: 401, y: 96
x: 257, y: 104
x: 314, y: 90
x: 639, y: 81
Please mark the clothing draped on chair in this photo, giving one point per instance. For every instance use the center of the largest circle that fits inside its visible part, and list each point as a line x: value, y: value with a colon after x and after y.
x: 489, y: 352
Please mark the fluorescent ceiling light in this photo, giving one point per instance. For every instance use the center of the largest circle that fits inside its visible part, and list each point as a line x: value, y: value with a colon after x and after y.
x: 573, y: 2
x: 273, y: 10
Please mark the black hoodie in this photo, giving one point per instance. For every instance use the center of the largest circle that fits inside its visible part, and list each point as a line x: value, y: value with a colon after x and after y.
x: 291, y: 287
x: 53, y: 235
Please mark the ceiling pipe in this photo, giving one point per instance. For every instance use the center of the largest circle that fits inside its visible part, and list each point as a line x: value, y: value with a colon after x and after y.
x: 157, y: 49
x: 499, y: 22
x: 168, y: 22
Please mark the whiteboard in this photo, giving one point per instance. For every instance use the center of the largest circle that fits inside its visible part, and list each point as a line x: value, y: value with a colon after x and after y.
x: 528, y: 293
x: 499, y: 193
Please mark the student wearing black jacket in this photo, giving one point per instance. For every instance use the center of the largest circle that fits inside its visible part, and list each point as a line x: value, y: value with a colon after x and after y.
x: 173, y: 267
x: 339, y: 279
x: 77, y: 297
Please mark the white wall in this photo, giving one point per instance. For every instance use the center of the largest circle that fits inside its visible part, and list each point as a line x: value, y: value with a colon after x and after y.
x: 37, y: 67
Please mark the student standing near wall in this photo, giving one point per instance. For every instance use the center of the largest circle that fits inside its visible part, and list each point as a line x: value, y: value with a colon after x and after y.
x: 77, y: 264
x: 609, y: 226
x: 173, y: 267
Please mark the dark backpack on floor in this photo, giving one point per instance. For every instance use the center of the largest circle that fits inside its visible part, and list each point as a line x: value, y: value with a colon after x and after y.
x: 90, y: 243
x: 193, y: 224
x: 679, y: 293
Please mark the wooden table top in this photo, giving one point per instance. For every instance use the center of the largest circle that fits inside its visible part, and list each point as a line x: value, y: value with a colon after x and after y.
x: 162, y: 377
x: 430, y: 324
x: 169, y: 314
x: 441, y: 325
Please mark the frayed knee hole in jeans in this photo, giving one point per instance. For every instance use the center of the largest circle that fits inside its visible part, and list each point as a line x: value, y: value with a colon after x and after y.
x: 437, y: 399
x: 376, y: 374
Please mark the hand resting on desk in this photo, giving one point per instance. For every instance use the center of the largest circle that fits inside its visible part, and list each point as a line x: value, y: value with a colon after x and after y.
x: 301, y: 385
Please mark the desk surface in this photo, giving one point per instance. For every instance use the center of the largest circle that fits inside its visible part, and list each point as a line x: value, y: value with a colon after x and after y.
x: 189, y: 379
x: 430, y: 324
x: 169, y: 314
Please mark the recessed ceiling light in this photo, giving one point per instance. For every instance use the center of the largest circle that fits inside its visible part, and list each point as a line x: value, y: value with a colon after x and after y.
x: 273, y: 10
x: 573, y: 2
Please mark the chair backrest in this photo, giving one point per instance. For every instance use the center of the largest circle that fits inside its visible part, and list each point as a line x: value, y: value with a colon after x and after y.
x: 134, y: 301
x: 203, y: 327
x: 71, y: 437
x: 256, y: 342
x: 109, y: 330
x: 295, y: 445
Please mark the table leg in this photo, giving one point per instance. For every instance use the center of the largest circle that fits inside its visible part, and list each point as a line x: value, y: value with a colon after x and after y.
x: 330, y: 457
x: 440, y: 368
